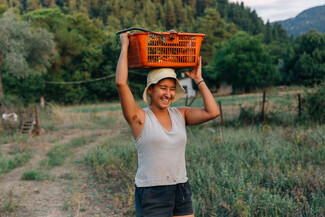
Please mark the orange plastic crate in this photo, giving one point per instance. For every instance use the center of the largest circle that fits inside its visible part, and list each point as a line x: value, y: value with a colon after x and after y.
x: 148, y: 50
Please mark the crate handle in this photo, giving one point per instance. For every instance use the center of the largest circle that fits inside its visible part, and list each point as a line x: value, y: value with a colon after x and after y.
x: 143, y: 30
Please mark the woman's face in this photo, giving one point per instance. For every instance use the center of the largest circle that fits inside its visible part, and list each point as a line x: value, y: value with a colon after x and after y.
x: 163, y: 93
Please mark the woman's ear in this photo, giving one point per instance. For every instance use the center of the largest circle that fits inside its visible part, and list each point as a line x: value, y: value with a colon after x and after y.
x: 149, y: 90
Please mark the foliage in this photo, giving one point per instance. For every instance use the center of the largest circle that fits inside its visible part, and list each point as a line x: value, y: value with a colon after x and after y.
x: 244, y: 63
x: 248, y: 116
x: 83, y: 32
x: 305, y: 62
x: 314, y: 104
x: 244, y: 18
x: 81, y: 56
x: 24, y: 51
x: 216, y: 31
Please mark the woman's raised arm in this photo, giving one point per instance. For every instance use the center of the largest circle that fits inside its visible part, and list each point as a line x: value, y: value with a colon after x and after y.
x: 131, y: 111
x: 211, y: 110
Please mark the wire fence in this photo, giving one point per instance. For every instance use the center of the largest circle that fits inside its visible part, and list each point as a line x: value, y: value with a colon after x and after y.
x: 256, y: 108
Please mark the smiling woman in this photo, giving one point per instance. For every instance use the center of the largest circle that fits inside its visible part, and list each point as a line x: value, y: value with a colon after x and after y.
x: 161, y: 183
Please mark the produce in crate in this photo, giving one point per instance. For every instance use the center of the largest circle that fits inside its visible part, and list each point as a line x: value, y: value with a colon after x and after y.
x: 167, y: 49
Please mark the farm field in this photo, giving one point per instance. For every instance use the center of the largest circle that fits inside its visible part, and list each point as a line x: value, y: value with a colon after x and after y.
x: 84, y: 162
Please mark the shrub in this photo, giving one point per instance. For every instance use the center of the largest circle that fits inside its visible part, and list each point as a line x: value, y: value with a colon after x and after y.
x: 248, y: 115
x: 314, y: 104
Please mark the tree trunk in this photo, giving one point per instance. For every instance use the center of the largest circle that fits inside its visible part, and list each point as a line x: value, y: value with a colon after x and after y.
x: 1, y: 89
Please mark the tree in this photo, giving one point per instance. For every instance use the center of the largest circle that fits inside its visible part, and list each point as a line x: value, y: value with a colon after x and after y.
x: 245, y: 63
x: 23, y: 50
x: 216, y: 31
x: 171, y: 18
x: 305, y: 64
x: 79, y: 54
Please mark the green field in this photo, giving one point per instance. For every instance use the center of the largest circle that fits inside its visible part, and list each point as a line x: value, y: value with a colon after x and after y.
x: 274, y: 168
x: 246, y: 168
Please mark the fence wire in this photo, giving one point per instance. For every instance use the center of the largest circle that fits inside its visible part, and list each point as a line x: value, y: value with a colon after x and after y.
x: 279, y: 107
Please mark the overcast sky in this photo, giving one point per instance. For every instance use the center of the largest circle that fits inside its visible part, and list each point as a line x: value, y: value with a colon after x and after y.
x: 275, y: 10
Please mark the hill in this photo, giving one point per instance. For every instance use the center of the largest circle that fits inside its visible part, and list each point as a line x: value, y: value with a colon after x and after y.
x: 313, y: 18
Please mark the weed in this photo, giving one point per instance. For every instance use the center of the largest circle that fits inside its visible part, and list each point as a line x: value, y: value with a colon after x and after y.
x: 34, y: 175
x: 8, y: 203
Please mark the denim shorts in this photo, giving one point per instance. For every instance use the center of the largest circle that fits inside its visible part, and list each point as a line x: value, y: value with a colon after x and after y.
x: 164, y: 201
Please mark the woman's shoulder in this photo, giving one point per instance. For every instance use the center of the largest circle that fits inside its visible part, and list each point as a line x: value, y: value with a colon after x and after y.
x: 146, y: 109
x: 178, y: 110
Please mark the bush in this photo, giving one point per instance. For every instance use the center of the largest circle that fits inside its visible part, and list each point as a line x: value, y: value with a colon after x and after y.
x: 248, y: 115
x: 314, y: 104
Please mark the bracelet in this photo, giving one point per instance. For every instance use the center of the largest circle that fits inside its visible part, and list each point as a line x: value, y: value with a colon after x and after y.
x: 199, y: 82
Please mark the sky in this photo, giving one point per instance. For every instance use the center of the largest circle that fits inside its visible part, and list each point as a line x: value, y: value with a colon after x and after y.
x: 276, y: 10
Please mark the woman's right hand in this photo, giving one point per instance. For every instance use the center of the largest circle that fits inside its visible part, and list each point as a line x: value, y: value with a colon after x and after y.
x: 124, y: 38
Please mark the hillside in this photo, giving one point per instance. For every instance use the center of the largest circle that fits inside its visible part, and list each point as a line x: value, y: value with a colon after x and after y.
x: 313, y: 18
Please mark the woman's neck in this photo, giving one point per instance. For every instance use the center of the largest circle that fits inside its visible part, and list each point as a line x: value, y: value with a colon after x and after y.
x: 157, y: 111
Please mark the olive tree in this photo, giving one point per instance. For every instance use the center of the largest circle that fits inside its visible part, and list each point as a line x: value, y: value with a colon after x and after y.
x: 24, y: 51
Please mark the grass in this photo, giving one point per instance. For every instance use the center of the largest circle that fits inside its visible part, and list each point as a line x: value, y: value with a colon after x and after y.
x: 94, y: 109
x: 8, y: 163
x: 8, y: 203
x: 247, y: 168
x: 34, y: 175
x: 58, y: 153
x: 246, y: 171
x: 280, y: 106
x: 92, y: 117
x: 6, y: 137
x: 257, y: 171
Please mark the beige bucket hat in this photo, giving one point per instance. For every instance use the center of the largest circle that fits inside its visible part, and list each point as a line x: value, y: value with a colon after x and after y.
x: 155, y: 76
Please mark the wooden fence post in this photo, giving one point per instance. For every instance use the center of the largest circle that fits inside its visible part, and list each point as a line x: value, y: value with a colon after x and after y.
x: 263, y: 106
x: 36, y: 119
x: 299, y: 105
x: 221, y: 115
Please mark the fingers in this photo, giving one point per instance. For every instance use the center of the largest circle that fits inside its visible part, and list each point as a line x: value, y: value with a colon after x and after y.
x: 124, y: 35
x: 124, y: 38
x: 187, y: 73
x: 200, y: 62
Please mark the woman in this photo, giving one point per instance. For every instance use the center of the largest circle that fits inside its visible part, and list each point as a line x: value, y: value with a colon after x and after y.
x: 161, y: 184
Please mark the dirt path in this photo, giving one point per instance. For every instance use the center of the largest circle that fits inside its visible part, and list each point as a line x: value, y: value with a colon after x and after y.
x: 69, y: 191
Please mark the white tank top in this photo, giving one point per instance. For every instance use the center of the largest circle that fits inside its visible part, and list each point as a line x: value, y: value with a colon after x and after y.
x: 161, y: 154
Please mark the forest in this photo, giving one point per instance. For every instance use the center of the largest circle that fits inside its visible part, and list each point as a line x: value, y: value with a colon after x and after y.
x: 66, y: 50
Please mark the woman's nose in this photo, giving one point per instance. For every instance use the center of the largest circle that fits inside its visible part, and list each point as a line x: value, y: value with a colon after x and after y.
x: 168, y: 93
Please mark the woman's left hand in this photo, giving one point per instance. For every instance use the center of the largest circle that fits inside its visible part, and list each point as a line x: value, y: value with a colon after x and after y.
x: 196, y: 73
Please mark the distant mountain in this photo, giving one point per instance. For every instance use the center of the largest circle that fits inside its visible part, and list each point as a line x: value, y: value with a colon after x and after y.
x: 313, y: 18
